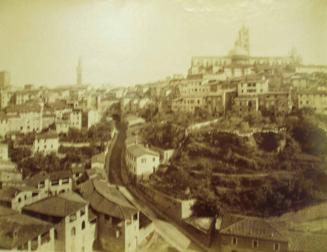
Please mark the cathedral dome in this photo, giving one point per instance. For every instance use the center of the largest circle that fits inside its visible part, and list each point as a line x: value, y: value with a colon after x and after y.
x: 238, y: 53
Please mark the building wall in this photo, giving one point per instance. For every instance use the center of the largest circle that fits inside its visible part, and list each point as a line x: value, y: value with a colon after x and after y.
x: 252, y: 87
x: 4, y: 152
x: 79, y: 232
x: 7, y: 176
x: 60, y: 186
x: 313, y: 100
x: 44, y: 242
x: 46, y: 145
x: 188, y: 104
x: 142, y: 167
x: 146, y: 165
x: 26, y: 198
x: 76, y: 119
x: 244, y: 244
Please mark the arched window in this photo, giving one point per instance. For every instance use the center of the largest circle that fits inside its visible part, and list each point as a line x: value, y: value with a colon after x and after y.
x: 73, y: 231
x: 83, y: 225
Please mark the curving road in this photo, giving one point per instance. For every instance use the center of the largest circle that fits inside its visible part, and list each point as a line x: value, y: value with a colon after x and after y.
x: 167, y: 230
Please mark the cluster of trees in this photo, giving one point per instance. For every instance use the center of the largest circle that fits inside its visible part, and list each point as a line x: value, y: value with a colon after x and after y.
x: 268, y: 141
x: 33, y: 164
x: 164, y: 135
x: 303, y: 127
x: 100, y: 132
x: 18, y: 154
x: 30, y: 165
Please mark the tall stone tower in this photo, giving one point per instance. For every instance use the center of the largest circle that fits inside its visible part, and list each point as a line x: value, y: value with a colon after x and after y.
x: 243, y: 39
x: 79, y: 73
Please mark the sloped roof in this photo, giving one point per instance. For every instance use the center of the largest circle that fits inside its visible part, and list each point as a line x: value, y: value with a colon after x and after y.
x: 42, y: 175
x: 138, y: 150
x: 47, y: 135
x: 252, y: 227
x: 8, y: 193
x: 37, y: 178
x: 59, y: 206
x: 202, y: 224
x: 106, y: 199
x: 16, y: 229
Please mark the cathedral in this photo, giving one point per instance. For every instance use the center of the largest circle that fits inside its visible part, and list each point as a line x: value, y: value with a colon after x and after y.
x: 238, y: 59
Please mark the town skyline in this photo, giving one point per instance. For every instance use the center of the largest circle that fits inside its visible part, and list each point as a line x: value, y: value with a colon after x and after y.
x: 103, y: 33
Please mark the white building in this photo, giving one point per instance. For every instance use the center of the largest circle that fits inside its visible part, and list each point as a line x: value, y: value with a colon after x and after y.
x: 51, y: 183
x: 188, y: 104
x: 16, y: 197
x: 92, y: 117
x: 4, y: 151
x: 75, y: 119
x: 46, y: 143
x: 141, y: 161
x: 69, y: 213
x: 252, y: 86
x: 315, y: 99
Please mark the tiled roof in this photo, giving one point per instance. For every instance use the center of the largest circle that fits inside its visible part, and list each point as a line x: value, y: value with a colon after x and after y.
x: 60, y: 174
x: 41, y: 176
x: 59, y: 206
x: 47, y: 135
x: 106, y: 199
x: 37, y: 178
x: 8, y: 193
x: 252, y: 227
x: 14, y: 224
x: 138, y: 150
x: 201, y: 223
x: 25, y: 108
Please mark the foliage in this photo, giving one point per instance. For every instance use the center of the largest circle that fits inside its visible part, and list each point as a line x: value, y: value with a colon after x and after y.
x: 268, y: 141
x: 18, y: 154
x: 39, y: 162
x: 163, y: 135
x: 100, y: 132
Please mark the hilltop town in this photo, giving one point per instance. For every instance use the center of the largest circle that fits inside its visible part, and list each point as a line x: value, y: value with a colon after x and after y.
x: 230, y: 156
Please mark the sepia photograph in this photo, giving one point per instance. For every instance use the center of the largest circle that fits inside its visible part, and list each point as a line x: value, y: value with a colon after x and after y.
x: 163, y: 125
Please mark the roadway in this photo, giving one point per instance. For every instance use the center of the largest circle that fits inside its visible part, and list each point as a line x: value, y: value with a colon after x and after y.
x: 166, y: 229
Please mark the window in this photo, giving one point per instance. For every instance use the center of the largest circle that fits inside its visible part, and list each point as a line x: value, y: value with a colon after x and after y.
x: 82, y: 211
x: 72, y: 217
x: 255, y: 243
x: 276, y: 247
x: 234, y: 241
x: 83, y: 225
x: 73, y: 231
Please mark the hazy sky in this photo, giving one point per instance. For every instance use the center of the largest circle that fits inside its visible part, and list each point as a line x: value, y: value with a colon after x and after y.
x: 134, y: 41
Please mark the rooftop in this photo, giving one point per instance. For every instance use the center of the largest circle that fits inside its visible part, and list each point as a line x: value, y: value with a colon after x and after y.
x: 8, y: 193
x: 106, y: 199
x: 138, y: 150
x: 14, y: 225
x: 61, y: 205
x: 250, y: 227
x: 47, y: 135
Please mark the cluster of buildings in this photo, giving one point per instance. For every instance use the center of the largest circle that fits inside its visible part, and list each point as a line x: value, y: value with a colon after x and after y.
x: 236, y: 82
x: 69, y: 210
x: 141, y: 160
